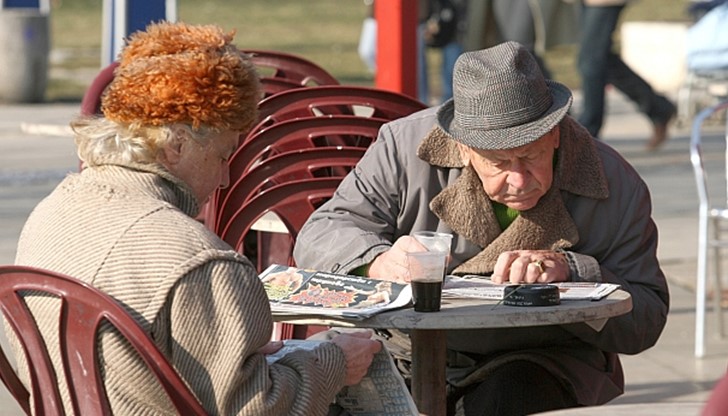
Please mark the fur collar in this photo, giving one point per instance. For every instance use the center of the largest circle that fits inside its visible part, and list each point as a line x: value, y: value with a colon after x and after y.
x: 465, y: 207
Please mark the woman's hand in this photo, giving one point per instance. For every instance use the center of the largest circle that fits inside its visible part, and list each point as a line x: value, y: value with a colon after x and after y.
x: 359, y: 350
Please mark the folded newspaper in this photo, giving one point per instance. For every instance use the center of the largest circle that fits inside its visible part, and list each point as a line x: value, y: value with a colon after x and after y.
x: 481, y: 287
x: 381, y: 392
x: 310, y: 292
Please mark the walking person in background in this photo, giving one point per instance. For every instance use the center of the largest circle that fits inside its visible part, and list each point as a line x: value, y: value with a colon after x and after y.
x: 442, y: 27
x: 514, y: 21
x: 599, y: 65
x: 537, y: 25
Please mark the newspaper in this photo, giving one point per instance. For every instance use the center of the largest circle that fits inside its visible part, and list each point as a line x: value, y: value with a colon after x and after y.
x: 309, y: 292
x: 381, y: 392
x: 481, y: 287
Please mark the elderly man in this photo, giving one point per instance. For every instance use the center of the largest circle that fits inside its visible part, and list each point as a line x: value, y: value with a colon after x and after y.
x: 529, y: 197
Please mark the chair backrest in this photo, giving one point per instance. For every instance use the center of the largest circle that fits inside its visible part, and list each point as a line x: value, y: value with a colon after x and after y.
x: 334, y: 99
x: 303, y: 133
x: 285, y: 167
x: 289, y: 72
x: 275, y: 85
x: 295, y: 134
x: 696, y: 156
x: 83, y: 310
x: 91, y: 102
x: 292, y: 201
x: 275, y: 64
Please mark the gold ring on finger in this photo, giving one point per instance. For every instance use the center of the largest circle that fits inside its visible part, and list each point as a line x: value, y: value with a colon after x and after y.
x: 539, y: 264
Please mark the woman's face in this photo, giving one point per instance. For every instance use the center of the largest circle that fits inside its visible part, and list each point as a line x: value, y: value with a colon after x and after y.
x: 203, y: 166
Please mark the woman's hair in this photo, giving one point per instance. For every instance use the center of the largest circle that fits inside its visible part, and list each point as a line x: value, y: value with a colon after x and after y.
x: 174, y: 82
x: 179, y: 73
x: 100, y: 140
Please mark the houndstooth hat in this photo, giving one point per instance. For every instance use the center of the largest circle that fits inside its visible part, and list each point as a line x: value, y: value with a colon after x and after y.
x: 501, y: 99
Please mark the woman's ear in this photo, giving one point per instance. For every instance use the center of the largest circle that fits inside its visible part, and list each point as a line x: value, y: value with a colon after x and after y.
x: 171, y: 152
x: 464, y: 153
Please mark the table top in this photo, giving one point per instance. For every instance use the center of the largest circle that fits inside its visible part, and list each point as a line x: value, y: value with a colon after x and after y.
x: 270, y: 222
x: 479, y: 313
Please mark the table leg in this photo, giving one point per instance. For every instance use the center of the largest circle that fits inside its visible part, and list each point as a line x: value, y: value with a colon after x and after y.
x: 429, y: 359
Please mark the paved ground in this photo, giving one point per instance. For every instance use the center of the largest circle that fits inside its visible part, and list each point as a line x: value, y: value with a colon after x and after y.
x: 35, y: 153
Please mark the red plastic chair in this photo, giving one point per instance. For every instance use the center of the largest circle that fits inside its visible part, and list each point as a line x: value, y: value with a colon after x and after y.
x: 285, y: 167
x: 274, y: 64
x: 304, y: 133
x: 275, y: 85
x: 717, y: 403
x: 292, y: 201
x: 84, y: 308
x: 334, y: 99
x: 293, y: 135
x: 292, y: 74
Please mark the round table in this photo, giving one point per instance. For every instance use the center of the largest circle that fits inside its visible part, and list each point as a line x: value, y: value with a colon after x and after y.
x: 427, y: 331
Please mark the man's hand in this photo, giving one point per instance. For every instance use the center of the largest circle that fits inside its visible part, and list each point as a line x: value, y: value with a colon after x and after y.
x: 359, y: 351
x: 531, y: 266
x: 392, y: 264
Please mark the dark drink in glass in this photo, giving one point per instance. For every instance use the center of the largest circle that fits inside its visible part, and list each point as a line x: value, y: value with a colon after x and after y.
x: 426, y: 270
x: 426, y: 296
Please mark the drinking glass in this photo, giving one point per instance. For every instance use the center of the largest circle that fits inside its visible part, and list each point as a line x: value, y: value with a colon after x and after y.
x: 435, y: 241
x: 426, y: 269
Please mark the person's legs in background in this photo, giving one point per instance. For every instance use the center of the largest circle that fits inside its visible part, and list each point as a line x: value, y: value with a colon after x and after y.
x: 515, y: 22
x: 656, y: 107
x: 423, y: 90
x: 597, y: 26
x: 450, y: 53
x: 599, y: 65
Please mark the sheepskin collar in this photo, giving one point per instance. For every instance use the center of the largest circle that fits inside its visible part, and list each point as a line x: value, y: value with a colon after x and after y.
x: 466, y: 208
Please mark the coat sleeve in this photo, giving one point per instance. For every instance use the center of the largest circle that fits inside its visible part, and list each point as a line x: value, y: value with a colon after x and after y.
x: 360, y: 221
x: 622, y: 237
x: 218, y: 317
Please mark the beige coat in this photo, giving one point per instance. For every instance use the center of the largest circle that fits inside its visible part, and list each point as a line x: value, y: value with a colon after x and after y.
x: 129, y: 231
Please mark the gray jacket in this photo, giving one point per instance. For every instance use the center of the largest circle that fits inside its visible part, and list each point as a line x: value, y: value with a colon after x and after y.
x: 598, y: 211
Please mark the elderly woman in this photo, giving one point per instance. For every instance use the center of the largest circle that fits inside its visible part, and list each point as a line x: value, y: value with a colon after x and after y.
x: 172, y: 116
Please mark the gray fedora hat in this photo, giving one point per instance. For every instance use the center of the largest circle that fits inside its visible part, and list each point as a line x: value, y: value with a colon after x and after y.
x: 501, y: 99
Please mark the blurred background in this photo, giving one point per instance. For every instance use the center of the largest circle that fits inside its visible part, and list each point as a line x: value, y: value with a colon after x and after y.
x: 324, y: 31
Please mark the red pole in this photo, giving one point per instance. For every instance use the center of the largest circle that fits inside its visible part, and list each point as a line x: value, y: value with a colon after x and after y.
x: 396, y: 45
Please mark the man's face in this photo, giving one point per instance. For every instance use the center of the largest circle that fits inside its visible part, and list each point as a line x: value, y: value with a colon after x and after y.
x: 518, y: 177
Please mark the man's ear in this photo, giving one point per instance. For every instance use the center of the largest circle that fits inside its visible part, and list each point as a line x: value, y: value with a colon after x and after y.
x: 464, y: 153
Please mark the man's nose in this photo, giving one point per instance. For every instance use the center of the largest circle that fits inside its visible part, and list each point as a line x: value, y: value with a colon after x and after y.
x: 518, y: 176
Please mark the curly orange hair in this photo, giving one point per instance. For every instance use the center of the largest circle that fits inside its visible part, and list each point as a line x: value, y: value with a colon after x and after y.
x: 180, y: 73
